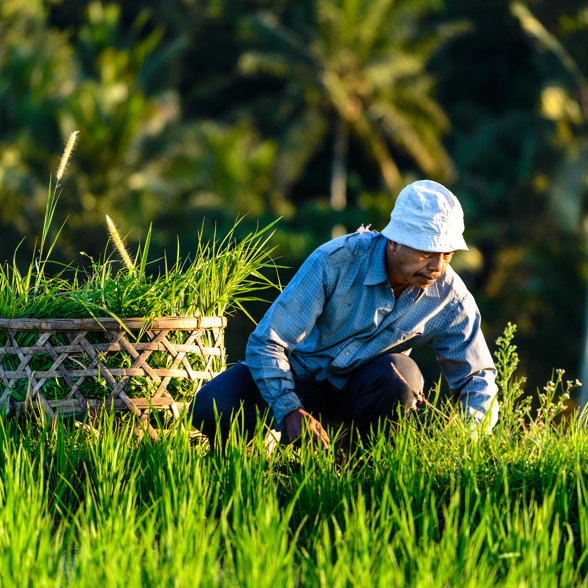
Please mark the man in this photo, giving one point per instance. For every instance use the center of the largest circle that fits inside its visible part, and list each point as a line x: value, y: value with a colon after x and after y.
x: 335, y: 343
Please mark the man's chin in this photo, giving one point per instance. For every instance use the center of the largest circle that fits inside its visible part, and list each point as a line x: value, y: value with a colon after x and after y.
x: 423, y: 282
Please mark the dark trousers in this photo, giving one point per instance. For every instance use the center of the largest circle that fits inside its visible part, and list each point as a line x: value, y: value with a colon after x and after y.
x: 373, y: 394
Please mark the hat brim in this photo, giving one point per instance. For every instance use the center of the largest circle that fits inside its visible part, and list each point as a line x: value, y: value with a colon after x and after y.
x: 437, y: 243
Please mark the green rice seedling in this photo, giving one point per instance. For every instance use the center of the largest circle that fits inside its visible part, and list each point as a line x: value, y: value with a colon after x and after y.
x: 428, y: 504
x: 109, y: 547
x: 217, y: 281
x: 186, y: 553
x: 29, y: 543
x: 223, y: 274
x: 259, y: 550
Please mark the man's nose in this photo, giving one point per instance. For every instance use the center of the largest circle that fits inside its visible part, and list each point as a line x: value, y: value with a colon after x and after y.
x: 436, y: 264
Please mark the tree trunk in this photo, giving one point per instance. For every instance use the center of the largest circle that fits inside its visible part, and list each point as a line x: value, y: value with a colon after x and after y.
x: 376, y: 143
x: 339, y: 177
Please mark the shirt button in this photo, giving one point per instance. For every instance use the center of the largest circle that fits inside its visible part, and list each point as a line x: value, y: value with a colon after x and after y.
x: 388, y: 305
x: 347, y: 353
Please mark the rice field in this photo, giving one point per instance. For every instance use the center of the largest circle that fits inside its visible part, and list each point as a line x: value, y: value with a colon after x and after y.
x: 433, y: 505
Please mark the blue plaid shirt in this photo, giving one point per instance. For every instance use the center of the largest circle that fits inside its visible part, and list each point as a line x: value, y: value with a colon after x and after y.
x: 339, y: 313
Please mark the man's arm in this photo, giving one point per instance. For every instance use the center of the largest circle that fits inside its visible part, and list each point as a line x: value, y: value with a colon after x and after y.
x: 285, y: 325
x: 466, y: 362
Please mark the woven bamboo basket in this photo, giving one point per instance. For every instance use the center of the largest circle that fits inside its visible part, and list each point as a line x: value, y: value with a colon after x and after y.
x: 76, y: 355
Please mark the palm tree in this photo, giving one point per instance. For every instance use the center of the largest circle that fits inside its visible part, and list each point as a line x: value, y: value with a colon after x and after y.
x: 361, y: 70
x: 569, y: 111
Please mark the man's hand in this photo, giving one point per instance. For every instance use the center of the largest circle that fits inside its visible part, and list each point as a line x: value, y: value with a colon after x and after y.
x: 299, y: 419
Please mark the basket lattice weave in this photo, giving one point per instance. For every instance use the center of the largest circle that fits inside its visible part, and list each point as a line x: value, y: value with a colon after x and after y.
x: 81, y: 350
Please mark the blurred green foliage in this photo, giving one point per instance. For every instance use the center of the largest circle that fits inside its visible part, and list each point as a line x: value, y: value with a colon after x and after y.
x: 314, y: 111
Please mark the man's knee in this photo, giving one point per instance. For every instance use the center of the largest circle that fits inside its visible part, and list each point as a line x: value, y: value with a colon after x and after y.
x: 385, y: 384
x: 400, y: 377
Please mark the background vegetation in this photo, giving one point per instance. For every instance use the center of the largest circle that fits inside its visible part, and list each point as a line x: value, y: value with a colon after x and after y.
x: 315, y: 111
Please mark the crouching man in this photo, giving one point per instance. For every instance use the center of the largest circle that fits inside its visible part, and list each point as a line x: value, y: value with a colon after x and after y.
x: 334, y: 345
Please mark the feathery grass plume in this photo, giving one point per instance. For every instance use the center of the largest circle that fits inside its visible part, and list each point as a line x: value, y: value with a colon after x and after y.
x: 66, y: 154
x: 52, y: 198
x: 119, y: 243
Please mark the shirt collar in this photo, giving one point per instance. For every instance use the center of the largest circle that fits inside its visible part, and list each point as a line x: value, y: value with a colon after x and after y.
x: 376, y: 273
x: 433, y: 290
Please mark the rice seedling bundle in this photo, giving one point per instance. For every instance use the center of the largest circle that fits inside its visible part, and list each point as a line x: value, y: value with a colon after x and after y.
x: 117, y: 335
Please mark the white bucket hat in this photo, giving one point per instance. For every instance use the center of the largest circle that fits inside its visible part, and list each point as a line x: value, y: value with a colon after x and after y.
x: 427, y: 217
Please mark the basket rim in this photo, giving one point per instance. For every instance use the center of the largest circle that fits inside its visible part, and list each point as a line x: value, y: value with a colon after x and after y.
x: 113, y: 324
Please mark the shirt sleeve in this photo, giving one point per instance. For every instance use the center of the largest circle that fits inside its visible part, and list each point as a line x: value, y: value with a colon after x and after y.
x: 285, y: 325
x: 466, y: 362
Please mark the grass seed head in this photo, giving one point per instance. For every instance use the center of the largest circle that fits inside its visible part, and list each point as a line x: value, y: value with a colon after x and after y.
x: 66, y: 154
x: 119, y: 243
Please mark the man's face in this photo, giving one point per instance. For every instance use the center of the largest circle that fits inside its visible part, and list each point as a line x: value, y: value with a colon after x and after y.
x: 420, y: 269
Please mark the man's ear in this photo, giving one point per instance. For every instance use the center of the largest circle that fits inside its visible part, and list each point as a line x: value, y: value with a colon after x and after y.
x: 392, y: 246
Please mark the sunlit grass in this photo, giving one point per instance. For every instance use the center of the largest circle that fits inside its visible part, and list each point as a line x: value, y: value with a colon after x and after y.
x: 434, y: 508
x: 433, y: 505
x: 219, y: 278
x: 216, y: 279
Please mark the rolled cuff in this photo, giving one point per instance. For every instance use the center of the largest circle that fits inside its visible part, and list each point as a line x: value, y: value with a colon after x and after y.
x: 483, y: 417
x: 282, y: 406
